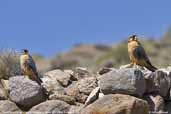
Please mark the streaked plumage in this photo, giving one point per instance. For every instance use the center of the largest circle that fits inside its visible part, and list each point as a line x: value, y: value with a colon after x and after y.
x: 28, y: 66
x: 138, y: 55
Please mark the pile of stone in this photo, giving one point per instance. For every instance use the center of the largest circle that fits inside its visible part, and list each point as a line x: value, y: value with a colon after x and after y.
x: 78, y: 91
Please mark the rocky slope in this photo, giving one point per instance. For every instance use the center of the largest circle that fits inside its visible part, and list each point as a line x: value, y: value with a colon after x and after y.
x: 78, y: 91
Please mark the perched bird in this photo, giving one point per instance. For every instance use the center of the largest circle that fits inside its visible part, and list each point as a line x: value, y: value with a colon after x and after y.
x: 138, y: 55
x: 28, y: 66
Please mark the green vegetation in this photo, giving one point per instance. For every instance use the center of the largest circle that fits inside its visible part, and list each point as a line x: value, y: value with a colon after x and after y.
x: 91, y: 56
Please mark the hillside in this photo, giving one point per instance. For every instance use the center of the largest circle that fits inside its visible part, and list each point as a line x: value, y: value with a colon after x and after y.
x: 95, y: 56
x: 92, y: 57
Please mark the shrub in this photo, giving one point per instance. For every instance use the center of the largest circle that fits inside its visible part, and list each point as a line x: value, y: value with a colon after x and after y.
x: 9, y: 63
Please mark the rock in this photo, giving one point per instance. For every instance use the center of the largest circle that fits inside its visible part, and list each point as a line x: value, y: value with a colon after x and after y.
x: 75, y: 109
x: 125, y: 81
x: 69, y: 72
x: 101, y: 95
x: 86, y: 85
x: 80, y: 73
x: 81, y: 89
x: 50, y: 107
x: 4, y: 88
x: 73, y: 78
x: 156, y: 102
x: 168, y: 96
x: 126, y: 66
x: 166, y: 70
x: 68, y: 99
x: 62, y: 77
x: 72, y: 90
x: 25, y: 92
x: 117, y: 104
x: 104, y: 70
x: 52, y: 86
x: 157, y: 82
x: 93, y: 96
x: 8, y: 107
x: 3, y: 95
x: 167, y: 109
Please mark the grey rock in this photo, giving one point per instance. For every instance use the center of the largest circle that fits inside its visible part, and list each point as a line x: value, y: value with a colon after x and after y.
x: 157, y: 81
x: 8, y: 107
x: 52, y: 86
x: 62, y: 77
x: 166, y: 70
x: 117, y: 104
x: 124, y: 81
x: 50, y: 107
x: 81, y: 89
x: 25, y: 92
x: 167, y: 109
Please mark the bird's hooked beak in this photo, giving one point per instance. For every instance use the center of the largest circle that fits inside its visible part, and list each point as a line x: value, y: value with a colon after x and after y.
x: 133, y: 38
x: 24, y: 51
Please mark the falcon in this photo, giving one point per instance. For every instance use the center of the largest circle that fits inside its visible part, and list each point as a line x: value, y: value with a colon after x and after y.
x: 28, y: 66
x: 138, y: 55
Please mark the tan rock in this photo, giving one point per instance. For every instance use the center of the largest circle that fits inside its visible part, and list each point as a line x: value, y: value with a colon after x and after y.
x: 50, y: 107
x: 68, y: 99
x: 62, y: 77
x: 117, y: 104
x: 8, y: 107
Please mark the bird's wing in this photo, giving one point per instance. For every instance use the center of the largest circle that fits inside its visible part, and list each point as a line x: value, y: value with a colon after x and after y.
x: 140, y: 53
x: 31, y: 64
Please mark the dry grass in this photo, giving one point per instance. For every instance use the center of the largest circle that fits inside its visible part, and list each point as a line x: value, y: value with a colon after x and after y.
x: 9, y: 63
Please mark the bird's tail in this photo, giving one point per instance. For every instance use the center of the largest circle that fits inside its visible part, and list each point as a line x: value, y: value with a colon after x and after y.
x: 39, y: 81
x: 150, y: 67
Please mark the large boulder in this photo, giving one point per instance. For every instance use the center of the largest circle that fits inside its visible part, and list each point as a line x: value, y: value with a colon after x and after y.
x: 157, y: 81
x: 8, y: 107
x: 25, y: 92
x: 81, y: 89
x: 62, y: 77
x: 50, y: 107
x: 125, y: 81
x: 117, y: 104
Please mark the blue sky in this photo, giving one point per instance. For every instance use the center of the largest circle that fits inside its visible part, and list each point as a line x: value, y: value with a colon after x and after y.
x: 51, y: 26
